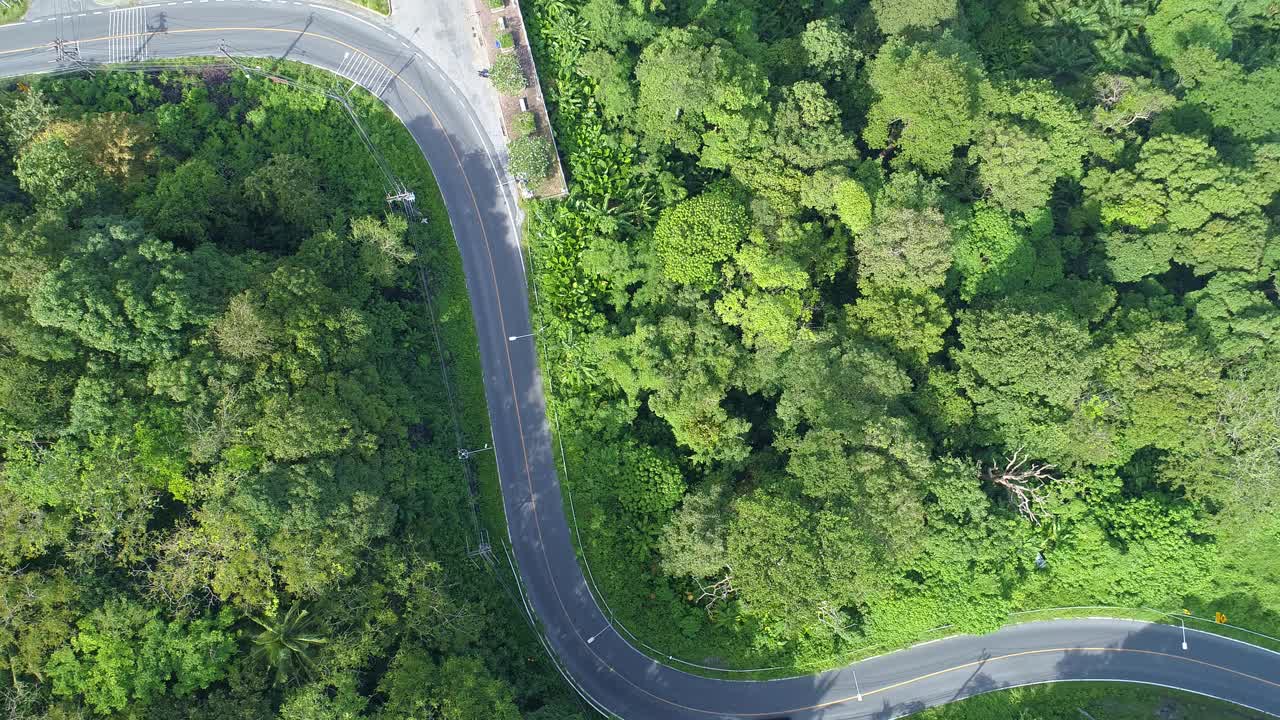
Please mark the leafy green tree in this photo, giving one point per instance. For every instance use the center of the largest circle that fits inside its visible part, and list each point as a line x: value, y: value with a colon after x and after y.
x: 286, y: 186
x: 242, y: 332
x: 1243, y: 103
x: 460, y: 688
x: 693, y: 540
x: 928, y: 101
x: 765, y: 318
x: 530, y: 158
x: 1027, y: 368
x: 794, y: 163
x: 895, y: 16
x: 382, y: 246
x: 1039, y: 137
x: 1016, y: 168
x: 908, y: 249
x: 993, y: 255
x: 650, y: 482
x: 687, y: 364
x: 1179, y: 203
x: 612, y: 24
x: 829, y: 48
x: 25, y: 116
x: 60, y: 175
x: 612, y: 78
x: 694, y: 236
x: 1159, y: 379
x: 912, y: 323
x: 1179, y: 24
x: 123, y: 292
x: 687, y: 81
x: 37, y: 617
x: 188, y: 202
x: 1233, y: 310
x: 807, y: 129
x: 853, y: 206
x: 507, y: 76
x: 124, y: 655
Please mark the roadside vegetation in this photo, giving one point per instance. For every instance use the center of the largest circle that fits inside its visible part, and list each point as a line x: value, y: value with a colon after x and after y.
x: 382, y: 7
x: 12, y: 10
x: 1081, y: 701
x: 864, y: 319
x: 229, y: 486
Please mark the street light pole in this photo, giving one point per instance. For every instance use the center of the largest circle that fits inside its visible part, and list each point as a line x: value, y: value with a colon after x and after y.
x: 466, y: 454
x: 1184, y: 634
x: 513, y: 338
x: 855, y: 683
x: 593, y: 637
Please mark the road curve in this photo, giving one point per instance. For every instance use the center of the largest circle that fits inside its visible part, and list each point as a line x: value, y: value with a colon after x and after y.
x: 613, y: 674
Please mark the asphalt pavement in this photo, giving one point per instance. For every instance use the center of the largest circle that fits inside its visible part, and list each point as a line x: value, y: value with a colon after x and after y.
x: 615, y: 676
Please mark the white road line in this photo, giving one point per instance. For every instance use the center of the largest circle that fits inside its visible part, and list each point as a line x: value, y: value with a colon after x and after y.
x: 347, y: 59
x: 368, y: 73
x: 97, y: 12
x: 356, y: 67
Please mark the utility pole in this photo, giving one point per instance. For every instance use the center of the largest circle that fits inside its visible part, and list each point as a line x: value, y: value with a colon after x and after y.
x: 830, y: 617
x: 483, y: 551
x: 466, y: 454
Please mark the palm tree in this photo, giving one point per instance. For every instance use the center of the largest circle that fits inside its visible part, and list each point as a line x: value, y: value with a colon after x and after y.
x: 286, y: 643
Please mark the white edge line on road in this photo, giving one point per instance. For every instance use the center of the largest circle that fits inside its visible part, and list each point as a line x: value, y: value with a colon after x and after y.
x: 1234, y: 640
x: 1108, y: 680
x: 347, y: 14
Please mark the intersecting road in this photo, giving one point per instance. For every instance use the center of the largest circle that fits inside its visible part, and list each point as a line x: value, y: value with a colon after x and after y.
x: 600, y: 663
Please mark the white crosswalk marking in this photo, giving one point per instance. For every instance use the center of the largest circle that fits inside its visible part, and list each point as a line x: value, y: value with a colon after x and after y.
x: 366, y: 72
x: 128, y: 40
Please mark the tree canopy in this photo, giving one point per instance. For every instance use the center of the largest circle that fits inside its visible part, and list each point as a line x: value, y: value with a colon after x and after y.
x: 933, y: 310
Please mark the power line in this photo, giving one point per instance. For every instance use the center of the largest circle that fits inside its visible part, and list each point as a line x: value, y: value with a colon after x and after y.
x: 397, y: 194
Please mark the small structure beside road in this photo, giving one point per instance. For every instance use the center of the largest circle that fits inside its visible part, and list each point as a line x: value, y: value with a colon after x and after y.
x: 502, y: 32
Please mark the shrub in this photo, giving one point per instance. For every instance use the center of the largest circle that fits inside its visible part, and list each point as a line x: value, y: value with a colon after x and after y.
x: 650, y: 481
x: 853, y: 205
x: 530, y: 158
x: 506, y: 41
x: 524, y: 125
x: 507, y: 76
x: 497, y: 4
x: 694, y: 236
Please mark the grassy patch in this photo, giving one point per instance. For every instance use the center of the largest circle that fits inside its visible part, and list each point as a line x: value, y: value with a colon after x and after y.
x: 1081, y: 701
x: 13, y: 11
x: 378, y: 6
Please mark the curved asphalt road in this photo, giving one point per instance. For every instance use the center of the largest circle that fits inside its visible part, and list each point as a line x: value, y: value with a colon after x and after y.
x: 614, y: 675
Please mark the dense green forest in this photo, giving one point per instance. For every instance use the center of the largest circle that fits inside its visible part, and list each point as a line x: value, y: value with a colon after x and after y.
x: 229, y: 485
x: 866, y: 318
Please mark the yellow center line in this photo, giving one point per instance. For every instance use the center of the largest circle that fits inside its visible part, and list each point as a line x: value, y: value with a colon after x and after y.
x: 528, y: 473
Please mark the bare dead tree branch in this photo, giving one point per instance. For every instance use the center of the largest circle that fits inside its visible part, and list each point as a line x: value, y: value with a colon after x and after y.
x: 1025, y: 483
x: 718, y: 591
